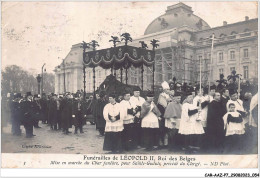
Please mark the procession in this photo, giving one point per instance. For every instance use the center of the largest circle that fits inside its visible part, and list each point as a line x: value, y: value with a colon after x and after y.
x: 192, y: 120
x: 182, y: 87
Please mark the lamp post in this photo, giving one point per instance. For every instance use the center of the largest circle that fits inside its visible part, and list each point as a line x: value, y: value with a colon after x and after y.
x: 155, y: 44
x: 94, y: 44
x: 84, y: 46
x: 63, y: 63
x: 39, y: 78
x: 42, y: 80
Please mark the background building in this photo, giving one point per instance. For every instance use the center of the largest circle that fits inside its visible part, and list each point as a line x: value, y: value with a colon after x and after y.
x: 184, y: 40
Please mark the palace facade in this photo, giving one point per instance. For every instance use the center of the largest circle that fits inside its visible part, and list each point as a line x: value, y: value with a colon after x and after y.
x: 185, y: 43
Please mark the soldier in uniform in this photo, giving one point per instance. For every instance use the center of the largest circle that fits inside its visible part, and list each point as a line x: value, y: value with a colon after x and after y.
x: 77, y: 114
x: 28, y: 113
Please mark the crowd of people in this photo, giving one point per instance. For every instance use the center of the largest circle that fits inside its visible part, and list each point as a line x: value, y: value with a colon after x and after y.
x: 60, y: 112
x: 195, y: 121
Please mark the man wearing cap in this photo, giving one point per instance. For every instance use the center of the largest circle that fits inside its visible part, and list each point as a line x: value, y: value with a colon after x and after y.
x: 114, y: 116
x: 172, y: 117
x: 28, y: 113
x: 150, y: 115
x: 77, y: 114
x: 137, y: 101
x: 129, y: 135
x: 215, y: 125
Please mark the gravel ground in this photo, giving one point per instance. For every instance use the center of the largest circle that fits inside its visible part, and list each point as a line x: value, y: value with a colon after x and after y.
x: 49, y: 141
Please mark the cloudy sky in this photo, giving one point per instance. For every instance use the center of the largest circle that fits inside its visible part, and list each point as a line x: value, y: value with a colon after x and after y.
x: 34, y: 33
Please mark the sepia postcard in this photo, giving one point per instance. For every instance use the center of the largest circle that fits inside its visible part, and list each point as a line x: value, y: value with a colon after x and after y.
x: 130, y: 85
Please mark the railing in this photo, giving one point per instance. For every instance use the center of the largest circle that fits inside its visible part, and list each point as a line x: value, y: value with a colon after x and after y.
x: 230, y: 37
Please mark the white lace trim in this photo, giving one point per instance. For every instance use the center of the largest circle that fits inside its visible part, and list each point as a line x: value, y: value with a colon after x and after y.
x: 114, y: 128
x: 190, y: 132
x: 235, y: 132
x: 150, y: 124
x: 204, y: 123
x: 172, y: 125
x: 129, y: 121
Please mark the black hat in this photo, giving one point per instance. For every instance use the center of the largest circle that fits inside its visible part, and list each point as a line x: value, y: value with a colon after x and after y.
x: 28, y: 93
x: 177, y: 94
x: 213, y: 87
x: 113, y: 95
x: 150, y: 94
x: 102, y: 93
x: 178, y: 84
x: 188, y: 94
x: 126, y: 91
x: 136, y: 89
x: 18, y: 95
x: 35, y: 96
x: 232, y: 92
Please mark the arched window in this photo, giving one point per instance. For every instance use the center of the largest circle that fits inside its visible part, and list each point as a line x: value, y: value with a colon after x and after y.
x: 222, y: 35
x: 233, y: 33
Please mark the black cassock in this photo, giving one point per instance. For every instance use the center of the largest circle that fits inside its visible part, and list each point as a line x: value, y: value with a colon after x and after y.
x: 98, y: 108
x: 215, y: 126
x: 66, y: 113
x: 53, y: 119
x: 44, y: 109
x: 28, y: 117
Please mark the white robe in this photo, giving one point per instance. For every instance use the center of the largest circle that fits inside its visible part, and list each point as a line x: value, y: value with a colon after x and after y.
x: 238, y: 104
x: 137, y: 101
x: 204, y: 112
x: 189, y: 124
x: 128, y: 118
x: 113, y: 110
x: 150, y: 120
x: 233, y: 128
x: 253, y: 104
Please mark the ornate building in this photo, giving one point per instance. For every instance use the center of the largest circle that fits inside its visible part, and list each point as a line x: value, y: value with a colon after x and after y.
x: 185, y: 39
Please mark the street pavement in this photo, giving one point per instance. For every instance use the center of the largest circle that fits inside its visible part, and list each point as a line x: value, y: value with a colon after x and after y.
x: 50, y: 141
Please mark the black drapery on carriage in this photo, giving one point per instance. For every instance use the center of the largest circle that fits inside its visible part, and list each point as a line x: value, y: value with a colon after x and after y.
x: 111, y: 84
x: 121, y: 57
